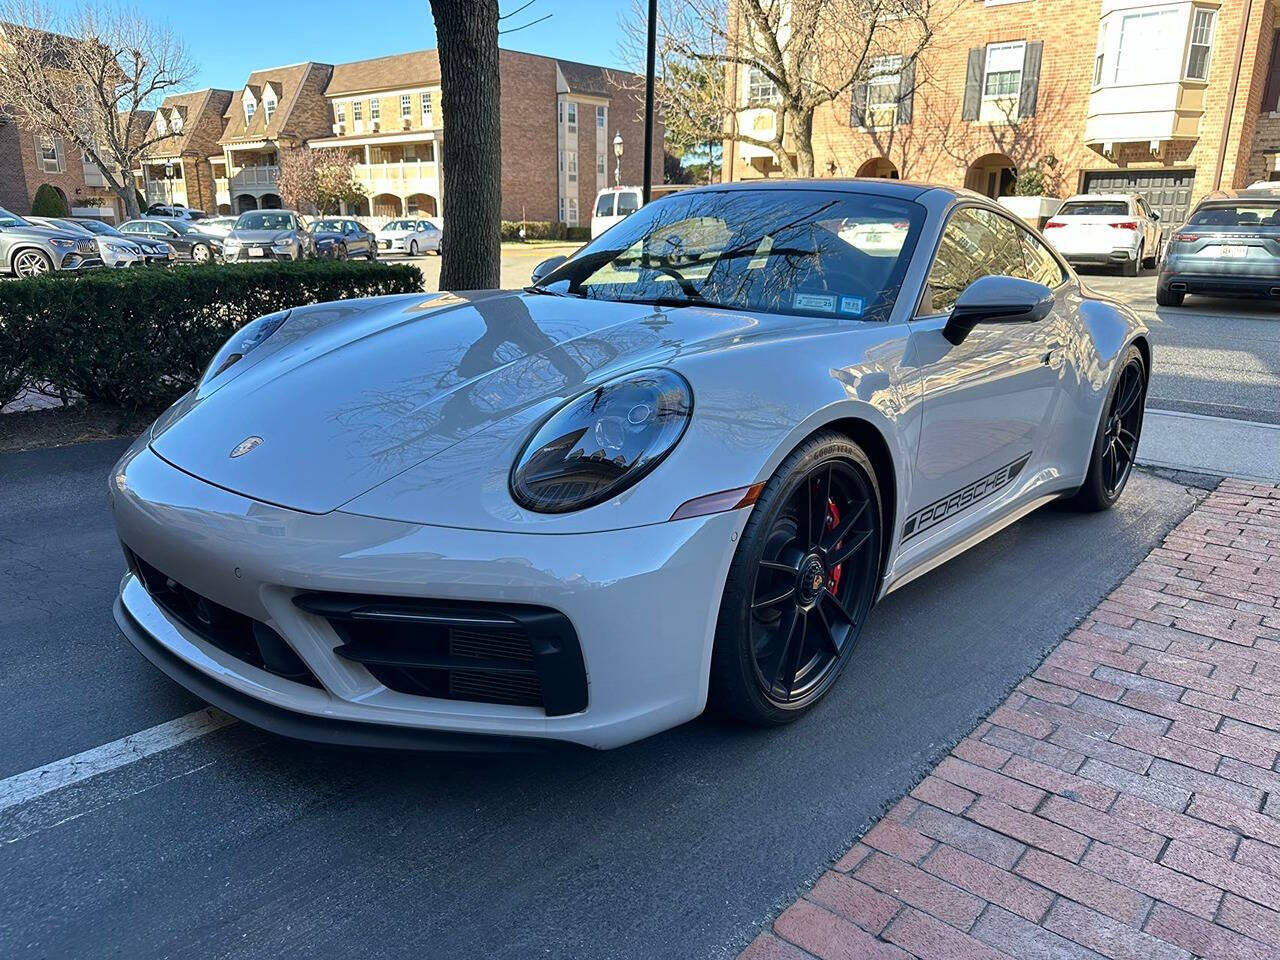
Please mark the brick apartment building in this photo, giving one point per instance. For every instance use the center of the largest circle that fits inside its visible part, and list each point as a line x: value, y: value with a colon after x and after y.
x: 1168, y: 98
x: 180, y: 166
x: 558, y: 119
x: 28, y: 160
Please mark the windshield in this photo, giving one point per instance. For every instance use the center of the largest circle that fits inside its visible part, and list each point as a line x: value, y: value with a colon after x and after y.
x: 803, y: 252
x: 396, y: 225
x: 333, y: 226
x: 1095, y: 208
x: 1237, y: 215
x: 97, y: 226
x: 8, y: 219
x: 265, y: 220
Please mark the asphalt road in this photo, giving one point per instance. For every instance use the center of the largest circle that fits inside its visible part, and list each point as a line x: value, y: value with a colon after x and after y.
x: 243, y: 845
x: 1213, y: 356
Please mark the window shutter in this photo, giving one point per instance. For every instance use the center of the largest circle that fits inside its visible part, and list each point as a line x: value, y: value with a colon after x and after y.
x: 858, y: 109
x: 1030, y: 91
x: 906, y: 91
x: 973, y: 83
x: 1271, y: 93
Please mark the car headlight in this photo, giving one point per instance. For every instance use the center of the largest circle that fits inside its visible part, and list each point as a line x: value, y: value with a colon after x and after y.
x: 602, y: 442
x: 241, y: 342
x: 230, y: 242
x: 61, y: 244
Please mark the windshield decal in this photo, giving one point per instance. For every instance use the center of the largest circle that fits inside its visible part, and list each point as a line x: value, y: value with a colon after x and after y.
x: 814, y: 301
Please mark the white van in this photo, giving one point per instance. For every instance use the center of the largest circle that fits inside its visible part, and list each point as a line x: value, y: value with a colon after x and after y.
x: 613, y: 205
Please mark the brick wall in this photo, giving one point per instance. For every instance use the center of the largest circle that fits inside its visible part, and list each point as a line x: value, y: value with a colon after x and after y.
x: 940, y: 147
x: 21, y: 173
x: 530, y: 174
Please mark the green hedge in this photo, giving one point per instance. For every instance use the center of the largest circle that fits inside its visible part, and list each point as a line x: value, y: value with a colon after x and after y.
x: 140, y: 338
x: 543, y: 230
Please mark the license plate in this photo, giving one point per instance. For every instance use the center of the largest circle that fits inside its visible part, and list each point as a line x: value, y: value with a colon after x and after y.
x: 255, y: 251
x: 1233, y: 250
x: 875, y: 238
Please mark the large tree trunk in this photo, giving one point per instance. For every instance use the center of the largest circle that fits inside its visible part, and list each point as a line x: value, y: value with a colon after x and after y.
x: 801, y: 127
x: 128, y: 195
x: 467, y: 38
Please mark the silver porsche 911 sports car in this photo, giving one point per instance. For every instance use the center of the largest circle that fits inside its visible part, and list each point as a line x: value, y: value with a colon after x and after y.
x: 678, y: 468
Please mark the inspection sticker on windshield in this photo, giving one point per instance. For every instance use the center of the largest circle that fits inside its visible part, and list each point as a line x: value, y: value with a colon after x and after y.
x: 814, y: 301
x: 852, y: 305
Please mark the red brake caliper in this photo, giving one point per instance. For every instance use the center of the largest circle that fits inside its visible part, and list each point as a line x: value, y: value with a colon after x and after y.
x: 833, y: 520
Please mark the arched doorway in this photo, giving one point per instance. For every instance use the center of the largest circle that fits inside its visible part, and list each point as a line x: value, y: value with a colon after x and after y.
x: 992, y: 175
x: 387, y: 205
x: 270, y: 201
x: 881, y: 168
x: 245, y: 202
x: 422, y: 204
x: 224, y: 209
x: 359, y: 208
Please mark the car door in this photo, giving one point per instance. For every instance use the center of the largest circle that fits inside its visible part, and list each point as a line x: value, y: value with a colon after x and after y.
x: 990, y: 401
x: 170, y: 235
x: 356, y: 241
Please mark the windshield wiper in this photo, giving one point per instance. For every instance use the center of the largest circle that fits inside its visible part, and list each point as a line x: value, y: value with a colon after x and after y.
x: 683, y: 302
x: 553, y: 293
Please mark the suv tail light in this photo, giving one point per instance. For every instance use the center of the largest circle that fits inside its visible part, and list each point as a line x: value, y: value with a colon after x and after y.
x: 1126, y: 225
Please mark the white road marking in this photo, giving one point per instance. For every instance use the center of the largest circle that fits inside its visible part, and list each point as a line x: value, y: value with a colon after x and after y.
x: 25, y: 787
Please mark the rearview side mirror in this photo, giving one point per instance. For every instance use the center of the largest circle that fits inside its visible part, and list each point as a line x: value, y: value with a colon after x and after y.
x: 997, y: 299
x: 1154, y: 215
x: 546, y: 266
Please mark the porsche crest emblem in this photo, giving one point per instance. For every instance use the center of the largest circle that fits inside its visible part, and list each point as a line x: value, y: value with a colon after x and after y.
x: 244, y: 446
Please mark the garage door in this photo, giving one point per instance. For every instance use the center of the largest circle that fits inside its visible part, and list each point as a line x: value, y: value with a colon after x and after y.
x: 1168, y: 192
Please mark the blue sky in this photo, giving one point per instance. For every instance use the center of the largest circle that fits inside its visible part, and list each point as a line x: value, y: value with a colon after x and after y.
x: 230, y: 38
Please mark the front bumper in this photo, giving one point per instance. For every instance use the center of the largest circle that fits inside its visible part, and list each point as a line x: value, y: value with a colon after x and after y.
x: 643, y: 602
x: 242, y: 255
x: 74, y: 262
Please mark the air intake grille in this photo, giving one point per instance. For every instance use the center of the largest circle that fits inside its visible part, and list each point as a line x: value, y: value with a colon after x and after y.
x: 453, y: 650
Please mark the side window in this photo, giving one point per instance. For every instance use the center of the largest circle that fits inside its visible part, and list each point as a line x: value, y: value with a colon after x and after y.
x: 976, y: 243
x: 1041, y: 266
x: 628, y: 203
x: 604, y: 206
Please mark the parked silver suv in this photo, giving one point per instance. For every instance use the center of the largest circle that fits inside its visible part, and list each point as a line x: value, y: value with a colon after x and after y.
x: 27, y: 250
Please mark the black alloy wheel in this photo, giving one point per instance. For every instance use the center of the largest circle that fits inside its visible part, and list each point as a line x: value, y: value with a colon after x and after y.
x: 1115, y: 445
x: 801, y: 585
x: 1123, y: 427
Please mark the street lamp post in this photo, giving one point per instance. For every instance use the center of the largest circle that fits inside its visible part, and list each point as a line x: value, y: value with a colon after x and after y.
x: 617, y: 152
x: 168, y: 182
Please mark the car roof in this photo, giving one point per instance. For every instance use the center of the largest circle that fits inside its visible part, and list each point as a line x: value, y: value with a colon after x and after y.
x: 902, y: 189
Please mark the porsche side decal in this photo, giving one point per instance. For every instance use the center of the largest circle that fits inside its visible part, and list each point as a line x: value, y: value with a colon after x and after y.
x: 950, y: 505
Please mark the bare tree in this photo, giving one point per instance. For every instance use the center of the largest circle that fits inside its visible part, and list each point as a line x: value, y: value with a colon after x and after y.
x: 90, y: 77
x: 467, y: 37
x: 722, y: 58
x: 319, y: 181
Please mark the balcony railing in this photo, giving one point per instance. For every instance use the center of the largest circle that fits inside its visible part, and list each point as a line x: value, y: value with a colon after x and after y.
x: 254, y: 177
x: 407, y: 175
x: 166, y: 191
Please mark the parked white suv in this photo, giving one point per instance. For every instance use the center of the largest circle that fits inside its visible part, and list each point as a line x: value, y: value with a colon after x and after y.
x: 1102, y: 229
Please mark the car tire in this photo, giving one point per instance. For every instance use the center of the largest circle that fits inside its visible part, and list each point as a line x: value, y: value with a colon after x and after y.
x: 1120, y: 423
x: 201, y: 253
x: 31, y: 263
x: 776, y: 656
x: 1131, y: 268
x: 413, y: 248
x: 340, y: 253
x: 1169, y: 298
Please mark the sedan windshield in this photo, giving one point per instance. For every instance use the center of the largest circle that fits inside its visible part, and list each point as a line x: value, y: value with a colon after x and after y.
x: 397, y: 225
x: 802, y: 252
x: 333, y: 226
x: 98, y: 227
x: 265, y: 220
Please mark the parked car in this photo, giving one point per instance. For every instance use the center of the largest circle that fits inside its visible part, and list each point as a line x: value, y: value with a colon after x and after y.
x: 28, y: 250
x: 175, y: 210
x: 218, y: 226
x: 114, y: 251
x: 613, y: 205
x: 269, y: 235
x: 156, y: 252
x: 409, y: 236
x: 1107, y: 229
x: 542, y: 513
x: 188, y: 241
x: 341, y: 237
x: 1229, y: 246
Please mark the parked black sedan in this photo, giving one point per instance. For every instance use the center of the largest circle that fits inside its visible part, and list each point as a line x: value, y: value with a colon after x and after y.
x: 339, y: 238
x: 186, y: 239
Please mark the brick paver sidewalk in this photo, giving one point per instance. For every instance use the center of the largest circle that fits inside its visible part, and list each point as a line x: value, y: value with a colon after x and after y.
x: 1122, y: 802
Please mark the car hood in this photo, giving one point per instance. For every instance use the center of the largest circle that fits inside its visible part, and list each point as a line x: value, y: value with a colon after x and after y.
x: 41, y: 233
x: 393, y: 234
x: 258, y: 236
x: 348, y: 395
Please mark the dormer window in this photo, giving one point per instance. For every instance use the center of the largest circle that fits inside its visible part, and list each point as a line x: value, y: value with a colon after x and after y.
x: 175, y: 121
x: 161, y: 127
x: 270, y: 107
x: 250, y: 108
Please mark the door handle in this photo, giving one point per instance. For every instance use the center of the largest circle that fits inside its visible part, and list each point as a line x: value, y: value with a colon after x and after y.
x: 1052, y: 346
